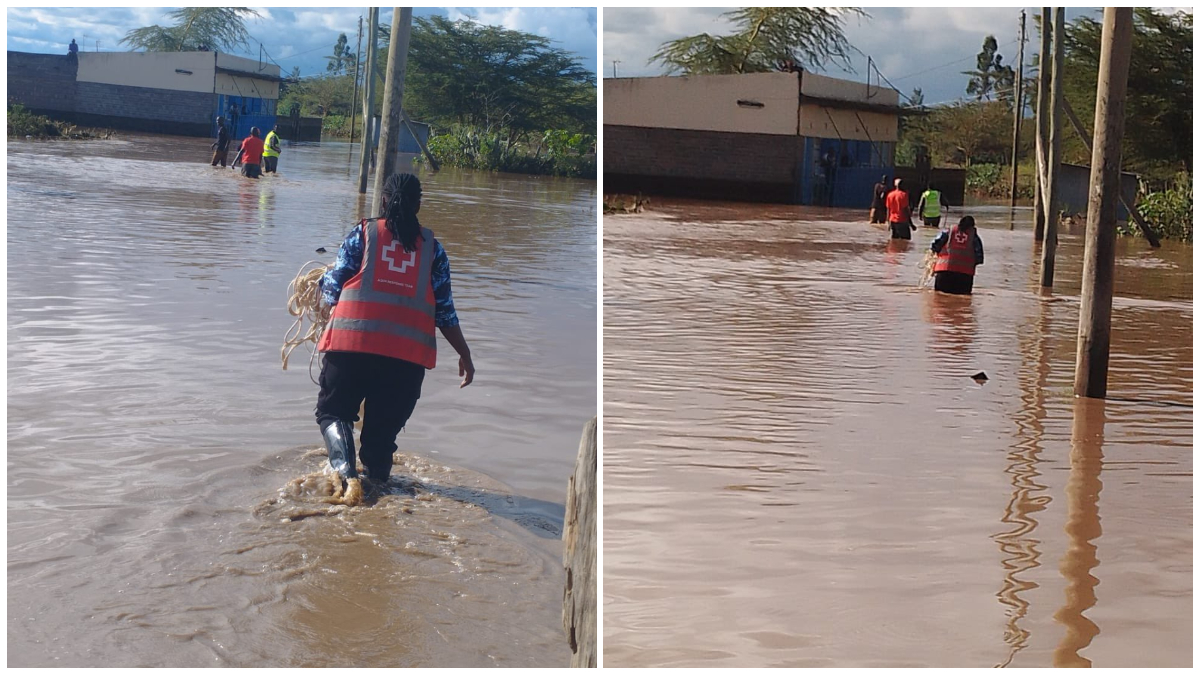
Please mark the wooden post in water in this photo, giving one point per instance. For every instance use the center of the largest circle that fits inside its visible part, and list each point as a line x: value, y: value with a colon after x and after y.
x: 1099, y: 254
x: 354, y: 96
x: 579, y: 553
x: 1054, y: 161
x: 1018, y: 111
x: 1043, y: 99
x: 393, y: 101
x: 364, y: 161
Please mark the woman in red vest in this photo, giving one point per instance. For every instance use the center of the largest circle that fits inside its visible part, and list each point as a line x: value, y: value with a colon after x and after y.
x: 959, y: 251
x: 389, y: 289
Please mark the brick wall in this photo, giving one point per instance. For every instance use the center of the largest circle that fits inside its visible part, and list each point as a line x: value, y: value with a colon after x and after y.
x: 44, y: 83
x: 725, y: 165
x: 182, y: 113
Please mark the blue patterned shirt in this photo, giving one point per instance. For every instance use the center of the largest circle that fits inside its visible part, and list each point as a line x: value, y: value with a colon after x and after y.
x: 349, y: 261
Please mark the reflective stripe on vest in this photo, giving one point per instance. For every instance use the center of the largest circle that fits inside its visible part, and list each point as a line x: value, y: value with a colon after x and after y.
x: 958, y: 255
x: 388, y: 307
x: 933, y: 204
x: 267, y: 151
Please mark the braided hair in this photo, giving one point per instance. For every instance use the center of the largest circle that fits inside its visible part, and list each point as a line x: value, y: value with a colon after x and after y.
x: 401, y: 199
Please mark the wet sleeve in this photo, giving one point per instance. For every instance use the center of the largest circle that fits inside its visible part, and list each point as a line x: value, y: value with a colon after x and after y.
x: 444, y: 316
x: 349, y: 261
x: 940, y: 241
x: 978, y: 250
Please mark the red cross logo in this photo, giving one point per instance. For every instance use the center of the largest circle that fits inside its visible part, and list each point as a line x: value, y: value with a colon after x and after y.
x: 388, y: 256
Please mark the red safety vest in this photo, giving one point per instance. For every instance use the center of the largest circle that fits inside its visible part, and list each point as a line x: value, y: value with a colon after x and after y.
x: 388, y: 307
x: 958, y: 255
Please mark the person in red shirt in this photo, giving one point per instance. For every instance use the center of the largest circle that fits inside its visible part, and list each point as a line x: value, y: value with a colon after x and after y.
x: 900, y: 212
x: 251, y: 154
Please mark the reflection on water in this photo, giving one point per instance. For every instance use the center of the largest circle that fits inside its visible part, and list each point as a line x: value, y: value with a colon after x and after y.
x: 166, y: 506
x: 800, y: 469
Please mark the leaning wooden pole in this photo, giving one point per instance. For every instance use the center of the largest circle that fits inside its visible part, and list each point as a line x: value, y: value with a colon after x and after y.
x: 579, y: 553
x: 1018, y: 111
x: 393, y: 101
x: 1053, y: 156
x: 364, y: 160
x: 1148, y: 233
x: 1099, y: 253
x: 1043, y: 99
x: 354, y: 96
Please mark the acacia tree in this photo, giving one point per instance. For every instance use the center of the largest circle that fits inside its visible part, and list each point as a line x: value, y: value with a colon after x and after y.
x: 496, y: 79
x: 990, y: 74
x: 221, y: 28
x: 1158, y: 105
x: 767, y: 39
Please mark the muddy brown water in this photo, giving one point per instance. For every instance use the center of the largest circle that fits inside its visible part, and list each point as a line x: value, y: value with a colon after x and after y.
x: 799, y: 470
x: 165, y: 495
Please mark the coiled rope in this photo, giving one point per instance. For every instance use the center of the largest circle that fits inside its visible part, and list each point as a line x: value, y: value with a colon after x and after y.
x: 927, y: 264
x: 304, y: 303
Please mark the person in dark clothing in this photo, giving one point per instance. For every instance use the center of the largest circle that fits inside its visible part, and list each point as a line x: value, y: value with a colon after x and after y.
x: 73, y: 49
x: 959, y: 251
x: 879, y: 201
x: 221, y: 147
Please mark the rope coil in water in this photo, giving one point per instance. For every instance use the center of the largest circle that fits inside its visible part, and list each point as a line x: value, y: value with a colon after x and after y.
x: 304, y: 303
x: 927, y: 264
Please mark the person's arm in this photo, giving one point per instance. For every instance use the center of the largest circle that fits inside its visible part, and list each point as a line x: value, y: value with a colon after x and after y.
x: 349, y: 261
x: 940, y: 241
x: 942, y: 199
x: 445, y: 318
x: 238, y: 158
x: 978, y: 250
x: 921, y: 204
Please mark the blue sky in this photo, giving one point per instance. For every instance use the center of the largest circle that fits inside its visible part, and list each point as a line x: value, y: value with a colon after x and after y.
x: 922, y: 47
x: 293, y: 36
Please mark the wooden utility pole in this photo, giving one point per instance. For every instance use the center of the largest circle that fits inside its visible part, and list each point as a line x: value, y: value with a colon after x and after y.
x: 1053, y: 160
x: 354, y: 97
x: 1018, y: 109
x: 393, y: 101
x: 364, y: 160
x: 579, y: 553
x: 1039, y: 197
x: 1099, y: 253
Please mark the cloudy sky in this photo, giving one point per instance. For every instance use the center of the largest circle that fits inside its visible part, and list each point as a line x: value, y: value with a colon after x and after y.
x: 293, y: 36
x: 912, y: 47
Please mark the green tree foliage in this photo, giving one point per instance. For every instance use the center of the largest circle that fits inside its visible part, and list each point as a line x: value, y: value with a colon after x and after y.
x: 220, y: 28
x: 494, y: 79
x: 767, y: 39
x: 1168, y: 211
x: 1158, y: 107
x: 343, y: 56
x: 962, y: 134
x: 990, y: 76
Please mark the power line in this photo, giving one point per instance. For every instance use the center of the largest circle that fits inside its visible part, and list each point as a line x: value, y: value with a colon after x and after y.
x: 965, y: 58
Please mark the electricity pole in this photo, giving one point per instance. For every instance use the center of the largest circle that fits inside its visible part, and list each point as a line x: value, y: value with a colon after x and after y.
x: 1039, y: 208
x: 354, y: 97
x: 393, y: 102
x: 615, y: 62
x: 1099, y: 254
x: 364, y: 161
x: 1018, y: 110
x: 1053, y: 159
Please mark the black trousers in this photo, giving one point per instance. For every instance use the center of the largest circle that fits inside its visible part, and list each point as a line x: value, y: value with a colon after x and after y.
x: 269, y: 164
x: 390, y: 388
x: 953, y: 282
x: 251, y: 170
x: 901, y: 230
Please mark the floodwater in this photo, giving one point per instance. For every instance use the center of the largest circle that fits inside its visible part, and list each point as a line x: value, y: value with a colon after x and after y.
x: 166, y: 505
x: 799, y: 469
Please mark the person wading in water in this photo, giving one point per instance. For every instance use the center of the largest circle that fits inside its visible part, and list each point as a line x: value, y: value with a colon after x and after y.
x: 899, y: 212
x: 389, y: 289
x: 959, y: 251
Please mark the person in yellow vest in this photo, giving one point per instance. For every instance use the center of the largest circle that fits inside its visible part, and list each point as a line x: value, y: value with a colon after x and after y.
x: 389, y: 289
x: 271, y: 151
x: 959, y: 251
x: 930, y: 207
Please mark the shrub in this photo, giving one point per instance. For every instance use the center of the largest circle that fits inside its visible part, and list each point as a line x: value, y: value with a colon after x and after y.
x: 1169, y: 212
